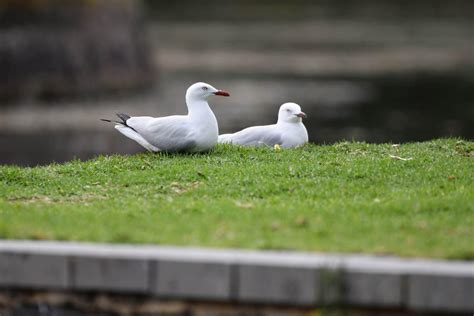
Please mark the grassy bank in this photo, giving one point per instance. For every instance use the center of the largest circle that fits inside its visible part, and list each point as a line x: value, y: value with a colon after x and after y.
x: 410, y: 200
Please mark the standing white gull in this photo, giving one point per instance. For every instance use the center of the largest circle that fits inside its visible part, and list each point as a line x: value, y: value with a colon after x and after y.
x: 288, y: 132
x: 195, y: 132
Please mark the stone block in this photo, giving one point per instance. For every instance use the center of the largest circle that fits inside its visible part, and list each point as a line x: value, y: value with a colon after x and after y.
x: 33, y: 270
x: 110, y: 274
x: 277, y: 284
x: 192, y: 279
x: 363, y: 288
x: 441, y: 293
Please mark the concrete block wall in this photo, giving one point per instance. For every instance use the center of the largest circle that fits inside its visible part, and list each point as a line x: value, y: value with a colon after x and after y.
x: 238, y: 276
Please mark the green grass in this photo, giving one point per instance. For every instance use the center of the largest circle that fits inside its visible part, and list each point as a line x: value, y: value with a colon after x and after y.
x: 347, y: 197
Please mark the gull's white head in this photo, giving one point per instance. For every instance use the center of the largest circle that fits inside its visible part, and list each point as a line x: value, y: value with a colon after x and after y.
x: 290, y: 113
x: 202, y: 91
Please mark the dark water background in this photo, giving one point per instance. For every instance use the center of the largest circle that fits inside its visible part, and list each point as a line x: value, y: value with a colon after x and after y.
x: 380, y: 71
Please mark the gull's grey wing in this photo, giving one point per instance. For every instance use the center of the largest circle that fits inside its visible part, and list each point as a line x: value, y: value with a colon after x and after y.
x: 257, y: 136
x: 171, y: 133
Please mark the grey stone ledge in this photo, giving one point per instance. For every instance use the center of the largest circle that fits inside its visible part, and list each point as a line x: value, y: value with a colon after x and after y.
x: 192, y: 279
x: 441, y: 293
x: 372, y: 289
x: 290, y: 278
x: 277, y: 284
x: 110, y: 274
x: 32, y: 270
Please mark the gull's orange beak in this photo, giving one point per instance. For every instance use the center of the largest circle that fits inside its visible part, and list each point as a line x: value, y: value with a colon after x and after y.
x: 222, y: 93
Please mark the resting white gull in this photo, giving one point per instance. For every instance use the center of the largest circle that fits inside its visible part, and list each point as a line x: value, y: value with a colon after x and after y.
x: 195, y: 132
x: 288, y: 132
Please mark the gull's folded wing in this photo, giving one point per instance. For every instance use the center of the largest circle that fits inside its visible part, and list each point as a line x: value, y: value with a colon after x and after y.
x: 257, y: 136
x: 171, y: 133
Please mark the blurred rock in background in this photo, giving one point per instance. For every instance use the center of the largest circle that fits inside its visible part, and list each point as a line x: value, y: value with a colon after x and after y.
x: 367, y: 70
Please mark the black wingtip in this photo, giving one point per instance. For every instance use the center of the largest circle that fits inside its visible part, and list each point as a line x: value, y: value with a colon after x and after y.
x: 124, y: 117
x: 105, y: 120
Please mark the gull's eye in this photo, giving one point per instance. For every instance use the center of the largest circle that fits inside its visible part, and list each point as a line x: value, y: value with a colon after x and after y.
x: 205, y: 88
x: 288, y: 110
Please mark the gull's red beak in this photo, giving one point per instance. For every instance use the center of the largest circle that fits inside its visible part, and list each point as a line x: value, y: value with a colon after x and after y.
x: 301, y: 114
x: 222, y: 93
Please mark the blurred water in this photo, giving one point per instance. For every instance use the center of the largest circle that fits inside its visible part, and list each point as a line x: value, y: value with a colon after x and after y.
x: 384, y: 82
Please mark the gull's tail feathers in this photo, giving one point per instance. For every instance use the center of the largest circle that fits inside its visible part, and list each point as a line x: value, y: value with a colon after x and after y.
x: 111, y: 121
x: 132, y: 134
x: 123, y: 117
